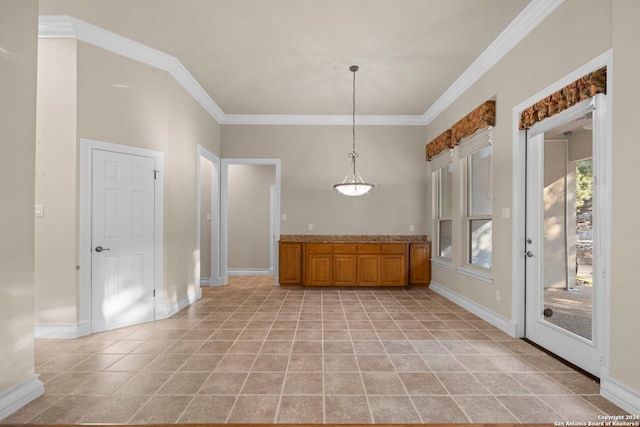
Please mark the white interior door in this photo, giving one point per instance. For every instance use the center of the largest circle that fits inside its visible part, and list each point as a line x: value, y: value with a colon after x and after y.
x: 122, y: 228
x: 563, y: 290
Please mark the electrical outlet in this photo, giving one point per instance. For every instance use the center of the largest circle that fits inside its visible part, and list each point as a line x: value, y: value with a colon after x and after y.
x: 39, y: 210
x: 497, y: 295
x: 284, y: 216
x: 411, y: 227
x: 310, y: 227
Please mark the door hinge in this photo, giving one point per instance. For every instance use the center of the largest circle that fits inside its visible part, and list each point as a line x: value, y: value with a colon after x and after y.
x: 155, y: 174
x: 154, y: 293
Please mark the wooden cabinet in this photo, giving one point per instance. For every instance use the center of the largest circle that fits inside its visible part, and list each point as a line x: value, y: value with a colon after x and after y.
x: 290, y: 263
x: 394, y: 264
x: 420, y: 263
x: 319, y: 265
x: 354, y: 264
x: 344, y: 264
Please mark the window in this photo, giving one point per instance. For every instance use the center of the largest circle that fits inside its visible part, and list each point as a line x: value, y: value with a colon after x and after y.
x: 442, y: 204
x: 475, y: 153
x: 444, y: 221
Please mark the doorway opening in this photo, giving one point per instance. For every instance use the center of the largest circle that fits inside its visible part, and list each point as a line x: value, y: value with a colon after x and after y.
x: 250, y: 216
x: 208, y: 218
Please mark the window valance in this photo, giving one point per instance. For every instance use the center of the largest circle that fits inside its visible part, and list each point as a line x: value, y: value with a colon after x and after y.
x: 579, y: 90
x: 481, y: 117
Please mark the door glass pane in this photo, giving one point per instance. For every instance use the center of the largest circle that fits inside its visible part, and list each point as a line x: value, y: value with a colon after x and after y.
x: 568, y: 224
x: 480, y: 242
x: 444, y: 234
x: 479, y: 182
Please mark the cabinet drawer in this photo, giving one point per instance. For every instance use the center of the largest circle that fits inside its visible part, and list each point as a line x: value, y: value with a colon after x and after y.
x: 393, y: 248
x: 369, y: 248
x: 342, y: 248
x: 319, y: 248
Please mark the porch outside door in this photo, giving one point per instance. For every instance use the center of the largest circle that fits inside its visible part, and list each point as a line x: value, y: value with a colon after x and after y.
x: 122, y: 249
x: 563, y: 257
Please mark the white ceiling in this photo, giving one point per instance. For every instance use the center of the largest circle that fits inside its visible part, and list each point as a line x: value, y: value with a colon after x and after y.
x: 293, y: 56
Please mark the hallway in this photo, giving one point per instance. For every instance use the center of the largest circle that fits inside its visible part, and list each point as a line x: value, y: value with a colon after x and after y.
x: 251, y: 352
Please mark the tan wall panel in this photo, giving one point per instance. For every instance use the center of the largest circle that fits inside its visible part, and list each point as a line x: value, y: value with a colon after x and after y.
x: 315, y: 157
x: 18, y: 59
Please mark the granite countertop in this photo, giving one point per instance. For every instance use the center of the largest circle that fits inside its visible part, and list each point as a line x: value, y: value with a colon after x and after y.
x: 348, y: 238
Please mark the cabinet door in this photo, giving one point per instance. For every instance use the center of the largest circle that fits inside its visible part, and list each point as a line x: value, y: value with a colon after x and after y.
x: 344, y: 269
x: 290, y: 263
x: 368, y: 270
x: 319, y: 271
x: 394, y: 269
x: 420, y: 263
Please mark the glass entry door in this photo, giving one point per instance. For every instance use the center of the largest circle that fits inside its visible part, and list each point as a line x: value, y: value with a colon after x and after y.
x: 562, y: 289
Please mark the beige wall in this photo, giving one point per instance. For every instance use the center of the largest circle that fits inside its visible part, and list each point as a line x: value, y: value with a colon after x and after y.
x: 249, y: 216
x: 315, y: 157
x: 121, y: 101
x: 18, y: 59
x: 56, y: 236
x: 625, y: 292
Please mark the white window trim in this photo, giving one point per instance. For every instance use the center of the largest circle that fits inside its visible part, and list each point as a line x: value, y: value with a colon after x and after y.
x: 438, y: 162
x: 481, y: 139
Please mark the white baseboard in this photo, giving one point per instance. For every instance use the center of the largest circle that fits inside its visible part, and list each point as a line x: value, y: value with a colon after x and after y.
x: 210, y: 281
x: 249, y: 272
x: 167, y: 311
x: 62, y: 330
x: 499, y: 322
x: 621, y: 395
x: 19, y: 395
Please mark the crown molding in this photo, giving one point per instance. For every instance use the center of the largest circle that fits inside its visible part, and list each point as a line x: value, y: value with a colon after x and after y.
x: 530, y: 17
x: 303, y: 119
x: 60, y: 26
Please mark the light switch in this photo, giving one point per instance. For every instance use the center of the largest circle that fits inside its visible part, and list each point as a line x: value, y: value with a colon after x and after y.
x: 506, y: 213
x: 208, y: 217
x: 284, y: 216
x: 411, y: 227
x: 39, y: 210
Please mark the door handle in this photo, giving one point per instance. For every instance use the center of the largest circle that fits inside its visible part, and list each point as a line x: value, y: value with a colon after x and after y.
x: 100, y: 249
x: 529, y: 254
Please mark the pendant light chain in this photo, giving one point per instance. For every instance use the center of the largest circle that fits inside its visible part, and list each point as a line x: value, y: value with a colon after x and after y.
x: 353, y: 184
x: 354, y: 69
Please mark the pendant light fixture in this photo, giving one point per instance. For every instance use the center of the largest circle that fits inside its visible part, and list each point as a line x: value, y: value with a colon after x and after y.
x: 353, y: 184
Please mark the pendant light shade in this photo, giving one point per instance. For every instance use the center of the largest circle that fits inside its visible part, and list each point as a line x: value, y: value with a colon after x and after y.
x: 353, y: 184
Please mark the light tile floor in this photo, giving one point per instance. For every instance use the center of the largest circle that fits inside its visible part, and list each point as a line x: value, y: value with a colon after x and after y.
x: 251, y: 352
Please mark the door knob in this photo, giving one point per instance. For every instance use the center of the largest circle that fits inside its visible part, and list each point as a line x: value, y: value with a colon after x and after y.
x: 100, y: 249
x: 529, y: 254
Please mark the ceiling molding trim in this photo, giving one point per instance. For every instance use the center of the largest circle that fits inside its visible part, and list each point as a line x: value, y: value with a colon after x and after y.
x: 530, y: 17
x: 59, y: 26
x: 304, y: 119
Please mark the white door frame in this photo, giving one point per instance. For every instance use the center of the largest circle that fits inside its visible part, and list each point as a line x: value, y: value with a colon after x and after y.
x: 585, y: 353
x: 274, y: 200
x: 84, y: 249
x: 215, y: 279
x: 519, y: 199
x: 224, y: 208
